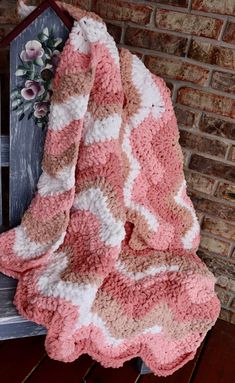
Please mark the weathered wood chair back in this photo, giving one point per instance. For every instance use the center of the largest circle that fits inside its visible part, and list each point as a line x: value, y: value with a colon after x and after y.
x: 33, y: 55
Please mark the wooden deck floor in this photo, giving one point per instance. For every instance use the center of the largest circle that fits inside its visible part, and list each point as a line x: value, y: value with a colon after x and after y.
x: 25, y: 361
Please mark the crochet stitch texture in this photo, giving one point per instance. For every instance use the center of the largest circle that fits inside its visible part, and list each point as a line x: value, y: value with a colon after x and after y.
x: 105, y: 254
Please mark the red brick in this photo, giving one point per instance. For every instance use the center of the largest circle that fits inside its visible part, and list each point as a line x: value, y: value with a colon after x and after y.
x: 224, y: 315
x: 225, y: 7
x: 186, y: 118
x: 233, y: 304
x: 8, y: 12
x: 223, y: 296
x: 217, y: 127
x: 114, y: 31
x: 223, y: 81
x: 177, y: 69
x: 226, y: 191
x: 206, y: 101
x: 186, y: 156
x: 176, y: 3
x: 212, y: 167
x: 169, y: 85
x: 123, y: 11
x: 188, y: 23
x: 214, y: 245
x: 223, y: 281
x: 158, y: 41
x: 221, y: 267
x: 214, y: 208
x: 229, y: 33
x: 199, y: 182
x: 232, y: 318
x: 231, y: 155
x: 202, y: 144
x: 218, y: 228
x: 212, y: 54
x: 200, y: 216
x: 5, y: 29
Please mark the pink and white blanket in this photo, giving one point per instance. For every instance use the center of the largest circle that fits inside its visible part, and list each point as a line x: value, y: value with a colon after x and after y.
x: 106, y: 252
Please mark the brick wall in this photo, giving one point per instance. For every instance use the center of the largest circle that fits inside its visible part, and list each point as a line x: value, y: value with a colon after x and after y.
x: 191, y: 43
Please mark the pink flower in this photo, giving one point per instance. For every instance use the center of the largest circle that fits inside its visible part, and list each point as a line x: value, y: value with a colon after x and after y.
x: 33, y: 50
x: 41, y: 109
x: 32, y: 89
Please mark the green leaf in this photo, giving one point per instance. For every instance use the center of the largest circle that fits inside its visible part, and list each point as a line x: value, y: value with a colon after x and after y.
x: 22, y: 67
x: 48, y: 51
x: 27, y: 106
x: 30, y: 115
x: 16, y: 103
x: 20, y: 110
x: 39, y: 124
x: 43, y: 36
x: 20, y: 72
x: 15, y: 93
x: 21, y: 117
x: 57, y: 41
x: 39, y: 61
x: 45, y: 31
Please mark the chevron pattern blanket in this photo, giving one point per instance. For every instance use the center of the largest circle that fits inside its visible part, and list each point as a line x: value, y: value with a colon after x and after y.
x: 105, y: 254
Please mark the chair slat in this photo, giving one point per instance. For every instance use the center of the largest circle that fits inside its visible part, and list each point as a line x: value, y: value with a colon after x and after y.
x: 22, y: 151
x: 0, y: 159
x: 26, y: 139
x: 4, y: 150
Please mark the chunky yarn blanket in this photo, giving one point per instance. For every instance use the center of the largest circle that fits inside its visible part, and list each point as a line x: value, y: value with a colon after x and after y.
x: 105, y: 254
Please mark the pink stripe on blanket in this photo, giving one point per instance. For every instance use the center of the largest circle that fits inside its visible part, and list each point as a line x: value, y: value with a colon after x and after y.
x: 94, y: 258
x: 12, y: 264
x: 53, y: 204
x: 107, y: 87
x: 72, y: 62
x: 57, y: 142
x: 153, y: 290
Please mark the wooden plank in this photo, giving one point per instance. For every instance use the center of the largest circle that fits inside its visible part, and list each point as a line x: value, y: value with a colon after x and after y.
x: 216, y: 364
x: 20, y: 329
x: 7, y: 309
x: 4, y: 141
x: 0, y: 155
x: 12, y: 325
x: 143, y: 369
x: 7, y: 282
x: 183, y: 375
x: 59, y: 372
x: 19, y: 357
x: 27, y: 139
x: 127, y: 374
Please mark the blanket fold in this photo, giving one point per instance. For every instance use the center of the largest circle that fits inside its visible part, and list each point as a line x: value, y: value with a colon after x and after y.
x: 105, y: 254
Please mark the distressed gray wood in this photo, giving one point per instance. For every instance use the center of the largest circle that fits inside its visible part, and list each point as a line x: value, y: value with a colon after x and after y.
x: 7, y: 309
x: 22, y: 151
x: 26, y: 139
x: 4, y: 150
x: 12, y: 325
x: 143, y: 369
x: 20, y: 329
x: 6, y: 282
x: 0, y: 160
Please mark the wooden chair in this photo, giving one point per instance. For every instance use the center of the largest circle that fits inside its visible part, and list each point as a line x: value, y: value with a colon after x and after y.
x: 21, y: 146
